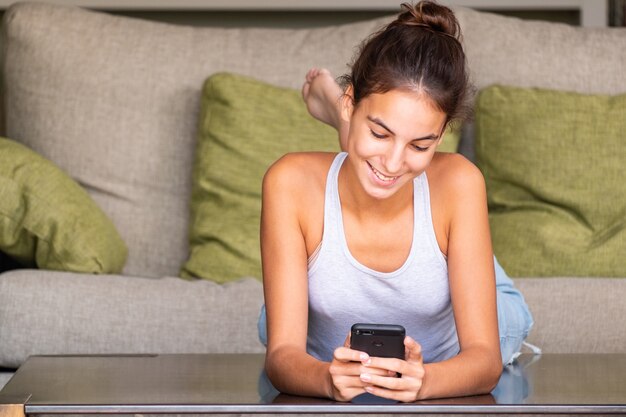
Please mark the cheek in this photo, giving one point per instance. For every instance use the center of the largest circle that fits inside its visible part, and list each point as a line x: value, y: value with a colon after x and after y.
x: 363, y: 144
x: 420, y: 162
x: 362, y: 147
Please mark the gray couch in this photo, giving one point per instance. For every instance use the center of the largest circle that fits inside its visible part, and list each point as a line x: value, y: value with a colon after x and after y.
x: 114, y: 102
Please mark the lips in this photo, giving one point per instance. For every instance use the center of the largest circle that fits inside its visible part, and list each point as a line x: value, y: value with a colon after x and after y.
x: 381, y: 177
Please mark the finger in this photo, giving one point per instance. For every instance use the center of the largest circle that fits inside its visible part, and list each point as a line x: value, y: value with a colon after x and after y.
x: 377, y: 371
x: 346, y: 342
x: 355, y: 369
x: 362, y: 369
x: 388, y: 364
x: 413, y: 349
x: 392, y: 383
x: 345, y: 354
x: 339, y: 368
x: 344, y: 382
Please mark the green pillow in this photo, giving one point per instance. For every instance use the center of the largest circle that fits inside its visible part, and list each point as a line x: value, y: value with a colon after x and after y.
x: 48, y: 221
x: 451, y: 139
x: 554, y: 164
x: 245, y: 125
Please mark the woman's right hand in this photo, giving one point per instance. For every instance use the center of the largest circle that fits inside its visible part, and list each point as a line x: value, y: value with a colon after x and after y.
x: 345, y: 370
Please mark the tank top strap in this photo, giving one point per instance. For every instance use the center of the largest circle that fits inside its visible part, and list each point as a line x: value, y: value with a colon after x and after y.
x: 423, y: 220
x: 332, y: 209
x: 332, y: 204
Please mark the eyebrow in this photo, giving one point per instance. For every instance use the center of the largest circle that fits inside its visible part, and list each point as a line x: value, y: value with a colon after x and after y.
x: 380, y: 123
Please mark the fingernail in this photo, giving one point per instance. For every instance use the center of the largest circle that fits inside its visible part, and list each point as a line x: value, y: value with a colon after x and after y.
x: 366, y: 377
x: 364, y: 357
x: 369, y: 389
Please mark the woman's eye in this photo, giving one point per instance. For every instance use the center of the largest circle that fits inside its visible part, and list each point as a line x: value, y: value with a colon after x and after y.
x: 377, y: 135
x: 419, y: 148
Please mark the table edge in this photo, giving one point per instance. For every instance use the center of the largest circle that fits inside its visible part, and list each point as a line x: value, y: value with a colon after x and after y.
x: 331, y: 408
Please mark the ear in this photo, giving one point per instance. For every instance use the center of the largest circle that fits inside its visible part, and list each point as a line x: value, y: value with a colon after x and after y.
x: 347, y: 104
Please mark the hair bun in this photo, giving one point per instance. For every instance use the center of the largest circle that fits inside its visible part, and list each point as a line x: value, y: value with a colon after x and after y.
x: 430, y: 15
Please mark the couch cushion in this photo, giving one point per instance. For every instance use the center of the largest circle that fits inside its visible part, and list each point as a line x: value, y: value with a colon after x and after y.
x: 48, y: 221
x: 245, y: 125
x: 46, y: 312
x: 112, y: 314
x: 511, y: 51
x: 576, y: 315
x: 115, y: 100
x: 554, y: 165
x: 523, y: 53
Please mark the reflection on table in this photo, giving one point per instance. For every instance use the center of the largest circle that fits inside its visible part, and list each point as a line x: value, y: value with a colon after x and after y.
x: 513, y: 388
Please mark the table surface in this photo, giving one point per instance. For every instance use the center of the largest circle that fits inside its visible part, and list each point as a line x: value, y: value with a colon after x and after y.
x: 235, y: 383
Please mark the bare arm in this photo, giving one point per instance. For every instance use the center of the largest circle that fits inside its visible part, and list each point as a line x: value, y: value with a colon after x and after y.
x: 477, y: 367
x: 284, y: 257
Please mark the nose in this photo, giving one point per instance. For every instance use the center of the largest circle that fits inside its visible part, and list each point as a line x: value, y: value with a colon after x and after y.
x: 394, y: 159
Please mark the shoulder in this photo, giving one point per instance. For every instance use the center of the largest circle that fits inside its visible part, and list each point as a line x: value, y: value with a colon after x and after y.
x: 453, y: 173
x: 457, y: 188
x: 458, y: 199
x: 296, y: 173
x: 293, y: 198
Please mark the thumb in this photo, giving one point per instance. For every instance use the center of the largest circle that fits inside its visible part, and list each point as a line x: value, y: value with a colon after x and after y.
x: 413, y: 350
x: 346, y: 343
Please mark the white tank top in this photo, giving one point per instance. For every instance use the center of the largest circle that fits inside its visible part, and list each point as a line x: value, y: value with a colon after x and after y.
x: 343, y: 291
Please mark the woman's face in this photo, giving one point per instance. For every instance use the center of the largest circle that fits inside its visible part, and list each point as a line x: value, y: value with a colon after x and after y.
x: 392, y: 139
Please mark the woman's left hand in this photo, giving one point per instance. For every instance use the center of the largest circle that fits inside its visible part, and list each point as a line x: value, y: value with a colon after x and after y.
x: 405, y: 388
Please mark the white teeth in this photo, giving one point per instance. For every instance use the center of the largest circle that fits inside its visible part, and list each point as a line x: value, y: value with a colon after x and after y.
x: 381, y: 176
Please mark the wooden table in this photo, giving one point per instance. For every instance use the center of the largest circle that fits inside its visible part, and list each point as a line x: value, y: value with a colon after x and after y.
x: 175, y: 384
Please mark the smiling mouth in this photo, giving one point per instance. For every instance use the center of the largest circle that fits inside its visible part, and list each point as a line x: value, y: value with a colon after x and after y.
x: 381, y: 176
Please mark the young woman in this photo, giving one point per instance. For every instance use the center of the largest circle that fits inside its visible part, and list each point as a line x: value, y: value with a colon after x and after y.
x: 388, y: 231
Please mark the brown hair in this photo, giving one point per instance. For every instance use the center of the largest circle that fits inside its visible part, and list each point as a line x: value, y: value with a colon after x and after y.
x: 419, y: 51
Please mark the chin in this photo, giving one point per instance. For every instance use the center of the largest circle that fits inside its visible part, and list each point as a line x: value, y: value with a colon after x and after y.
x: 381, y: 193
x: 378, y: 194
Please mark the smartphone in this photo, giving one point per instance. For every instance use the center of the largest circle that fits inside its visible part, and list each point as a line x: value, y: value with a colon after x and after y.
x: 378, y: 340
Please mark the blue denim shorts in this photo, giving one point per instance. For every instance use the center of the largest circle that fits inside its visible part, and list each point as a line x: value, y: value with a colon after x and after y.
x: 514, y: 318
